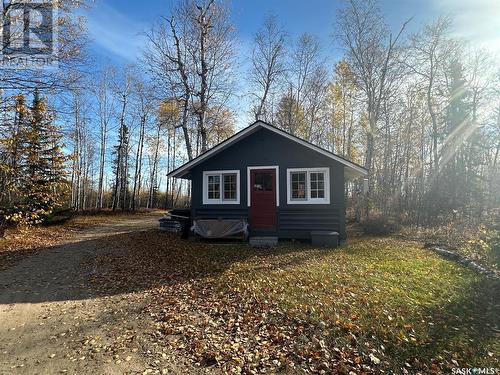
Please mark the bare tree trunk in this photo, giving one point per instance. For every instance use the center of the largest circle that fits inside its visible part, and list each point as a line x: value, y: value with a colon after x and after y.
x: 434, y: 123
x: 138, y: 163
x: 154, y: 169
x: 102, y: 160
x: 169, y: 180
x: 174, y: 182
x: 105, y: 109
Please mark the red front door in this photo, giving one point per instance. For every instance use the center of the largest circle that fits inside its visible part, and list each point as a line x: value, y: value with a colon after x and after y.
x: 263, y: 199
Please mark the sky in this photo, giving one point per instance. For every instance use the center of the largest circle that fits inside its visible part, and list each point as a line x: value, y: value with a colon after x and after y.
x: 116, y: 27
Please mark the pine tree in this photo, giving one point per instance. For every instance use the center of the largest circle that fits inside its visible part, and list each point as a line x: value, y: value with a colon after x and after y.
x: 43, y: 181
x: 455, y: 152
x: 121, y: 169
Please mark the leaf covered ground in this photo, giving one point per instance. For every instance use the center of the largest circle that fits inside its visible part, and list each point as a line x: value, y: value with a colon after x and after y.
x: 20, y: 243
x: 479, y: 243
x: 374, y: 306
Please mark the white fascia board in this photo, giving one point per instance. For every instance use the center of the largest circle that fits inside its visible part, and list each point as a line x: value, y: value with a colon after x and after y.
x: 353, y: 169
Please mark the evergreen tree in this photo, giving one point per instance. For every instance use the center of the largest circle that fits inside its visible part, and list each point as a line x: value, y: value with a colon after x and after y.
x: 455, y: 152
x: 43, y: 180
x: 120, y: 162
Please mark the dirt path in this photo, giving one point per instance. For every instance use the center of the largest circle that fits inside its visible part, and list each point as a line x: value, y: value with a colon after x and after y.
x: 50, y: 321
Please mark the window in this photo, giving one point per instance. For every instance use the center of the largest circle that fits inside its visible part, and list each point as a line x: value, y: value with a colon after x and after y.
x: 229, y: 186
x: 221, y: 187
x: 308, y: 186
x: 317, y: 185
x: 214, y: 187
x: 263, y: 181
x: 299, y: 185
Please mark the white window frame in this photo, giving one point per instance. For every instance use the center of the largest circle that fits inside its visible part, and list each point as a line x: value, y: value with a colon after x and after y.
x: 308, y: 200
x: 249, y: 188
x: 221, y: 187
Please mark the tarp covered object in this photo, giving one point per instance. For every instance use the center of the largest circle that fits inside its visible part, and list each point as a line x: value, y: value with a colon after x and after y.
x: 220, y: 228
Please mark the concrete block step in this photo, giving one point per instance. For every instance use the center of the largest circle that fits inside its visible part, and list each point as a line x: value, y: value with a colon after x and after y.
x: 263, y: 241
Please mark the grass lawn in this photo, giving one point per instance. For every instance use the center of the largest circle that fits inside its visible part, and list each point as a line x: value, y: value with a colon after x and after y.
x: 378, y: 304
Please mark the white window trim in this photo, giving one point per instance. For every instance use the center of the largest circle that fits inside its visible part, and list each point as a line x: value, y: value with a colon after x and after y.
x: 221, y: 200
x: 277, y: 169
x: 309, y: 200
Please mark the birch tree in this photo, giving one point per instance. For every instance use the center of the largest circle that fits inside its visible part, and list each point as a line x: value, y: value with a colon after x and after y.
x: 212, y: 49
x: 105, y: 111
x: 428, y: 52
x: 193, y: 51
x: 145, y: 106
x: 268, y: 66
x: 168, y: 60
x: 371, y: 50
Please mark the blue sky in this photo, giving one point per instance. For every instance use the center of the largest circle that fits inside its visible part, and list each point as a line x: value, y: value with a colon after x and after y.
x: 115, y: 26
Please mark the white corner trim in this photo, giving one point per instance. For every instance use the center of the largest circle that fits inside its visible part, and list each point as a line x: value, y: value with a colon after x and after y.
x: 277, y: 169
x: 309, y: 200
x: 221, y: 200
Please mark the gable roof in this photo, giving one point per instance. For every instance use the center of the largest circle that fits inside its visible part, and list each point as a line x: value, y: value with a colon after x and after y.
x: 352, y: 170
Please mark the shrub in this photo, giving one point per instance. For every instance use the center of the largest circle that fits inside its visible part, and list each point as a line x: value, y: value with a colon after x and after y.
x: 379, y: 226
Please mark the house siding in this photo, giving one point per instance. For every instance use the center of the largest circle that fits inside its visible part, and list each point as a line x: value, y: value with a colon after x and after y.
x: 266, y: 148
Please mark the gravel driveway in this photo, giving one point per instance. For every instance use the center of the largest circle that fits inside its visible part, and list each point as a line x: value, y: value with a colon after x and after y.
x: 50, y: 321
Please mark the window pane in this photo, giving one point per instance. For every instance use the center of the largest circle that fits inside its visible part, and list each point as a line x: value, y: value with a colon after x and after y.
x: 230, y: 186
x: 317, y: 185
x: 263, y: 181
x: 298, y: 185
x: 214, y: 187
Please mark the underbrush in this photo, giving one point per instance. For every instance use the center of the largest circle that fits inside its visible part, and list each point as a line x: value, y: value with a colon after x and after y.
x: 380, y: 226
x: 479, y: 243
x: 90, y: 218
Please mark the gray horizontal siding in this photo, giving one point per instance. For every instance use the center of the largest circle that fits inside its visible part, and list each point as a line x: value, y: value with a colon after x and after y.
x: 220, y: 213
x: 292, y: 222
x: 301, y: 221
x: 269, y: 149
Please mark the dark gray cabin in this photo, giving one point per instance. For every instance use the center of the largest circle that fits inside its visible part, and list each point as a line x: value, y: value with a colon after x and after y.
x: 282, y: 185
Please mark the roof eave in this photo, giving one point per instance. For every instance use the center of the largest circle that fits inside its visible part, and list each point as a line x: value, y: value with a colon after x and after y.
x: 354, y: 173
x: 354, y: 170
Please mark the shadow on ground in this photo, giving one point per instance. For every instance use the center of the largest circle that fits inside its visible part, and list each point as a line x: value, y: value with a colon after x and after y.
x: 128, y: 261
x: 466, y: 328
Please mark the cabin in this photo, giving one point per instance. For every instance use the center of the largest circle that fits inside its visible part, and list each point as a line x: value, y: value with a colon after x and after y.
x: 269, y: 184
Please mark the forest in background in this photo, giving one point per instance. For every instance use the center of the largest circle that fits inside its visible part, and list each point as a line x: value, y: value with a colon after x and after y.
x: 420, y: 110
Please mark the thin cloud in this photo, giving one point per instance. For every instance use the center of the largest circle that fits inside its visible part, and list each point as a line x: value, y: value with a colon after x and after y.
x: 474, y: 20
x: 115, y: 33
